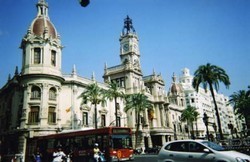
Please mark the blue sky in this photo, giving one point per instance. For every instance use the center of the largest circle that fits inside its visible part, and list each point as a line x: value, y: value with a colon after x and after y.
x: 173, y: 34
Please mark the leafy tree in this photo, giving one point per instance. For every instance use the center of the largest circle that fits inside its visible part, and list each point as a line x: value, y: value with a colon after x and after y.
x: 190, y: 115
x: 209, y: 76
x: 241, y: 104
x: 114, y: 92
x: 138, y: 102
x: 94, y: 94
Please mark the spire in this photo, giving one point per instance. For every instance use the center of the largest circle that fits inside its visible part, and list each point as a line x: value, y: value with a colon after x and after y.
x: 74, y: 70
x: 16, y: 70
x: 128, y: 25
x: 74, y: 74
x: 9, y: 77
x: 105, y: 67
x: 93, y: 77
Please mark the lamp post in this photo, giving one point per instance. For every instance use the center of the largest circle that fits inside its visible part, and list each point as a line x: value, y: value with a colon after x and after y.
x: 205, y: 120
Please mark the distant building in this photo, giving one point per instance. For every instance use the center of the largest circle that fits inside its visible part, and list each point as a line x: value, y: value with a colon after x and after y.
x: 202, y: 101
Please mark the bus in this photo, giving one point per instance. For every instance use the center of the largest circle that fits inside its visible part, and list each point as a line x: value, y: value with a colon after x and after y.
x: 114, y: 142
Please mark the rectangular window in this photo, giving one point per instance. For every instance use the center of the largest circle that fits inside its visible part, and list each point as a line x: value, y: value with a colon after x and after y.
x: 34, y: 115
x: 52, y: 94
x: 37, y: 56
x: 85, y: 118
x: 103, y: 120
x: 119, y: 121
x: 53, y: 58
x: 52, y: 115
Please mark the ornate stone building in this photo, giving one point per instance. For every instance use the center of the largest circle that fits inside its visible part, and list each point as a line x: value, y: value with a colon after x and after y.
x: 40, y: 100
x: 203, y: 102
x: 129, y: 74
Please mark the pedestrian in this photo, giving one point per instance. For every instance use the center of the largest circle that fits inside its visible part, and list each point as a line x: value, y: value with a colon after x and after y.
x: 37, y: 156
x: 96, y: 151
x: 58, y: 155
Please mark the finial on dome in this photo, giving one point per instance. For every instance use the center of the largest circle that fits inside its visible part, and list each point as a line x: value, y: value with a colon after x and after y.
x: 42, y: 8
x: 174, y: 78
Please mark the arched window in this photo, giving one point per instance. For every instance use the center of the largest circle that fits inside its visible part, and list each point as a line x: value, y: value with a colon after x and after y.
x: 52, y: 94
x: 35, y: 93
x: 34, y: 115
x: 52, y: 115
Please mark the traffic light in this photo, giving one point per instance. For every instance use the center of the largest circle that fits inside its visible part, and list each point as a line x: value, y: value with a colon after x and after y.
x: 84, y: 3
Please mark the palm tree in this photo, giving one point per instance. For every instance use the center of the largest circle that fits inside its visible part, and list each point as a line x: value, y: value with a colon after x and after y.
x: 114, y: 92
x: 138, y: 102
x: 209, y: 76
x: 190, y: 115
x: 241, y: 104
x: 94, y: 94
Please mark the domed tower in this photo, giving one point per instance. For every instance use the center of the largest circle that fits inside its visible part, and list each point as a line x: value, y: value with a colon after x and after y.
x: 176, y: 93
x: 41, y: 76
x: 41, y: 45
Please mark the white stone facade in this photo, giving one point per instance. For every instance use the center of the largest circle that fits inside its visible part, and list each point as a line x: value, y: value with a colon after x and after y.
x: 41, y: 100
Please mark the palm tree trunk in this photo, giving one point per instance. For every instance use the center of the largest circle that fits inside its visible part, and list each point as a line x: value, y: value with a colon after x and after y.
x: 95, y: 116
x: 192, y: 126
x: 216, y: 111
x: 197, y: 133
x: 137, y: 129
x: 116, y: 119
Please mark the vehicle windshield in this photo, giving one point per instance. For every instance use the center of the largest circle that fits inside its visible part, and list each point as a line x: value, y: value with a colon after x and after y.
x: 213, y: 146
x: 121, y: 141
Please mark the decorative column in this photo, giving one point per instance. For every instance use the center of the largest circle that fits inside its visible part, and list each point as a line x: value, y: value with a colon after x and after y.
x: 26, y: 96
x: 44, y: 105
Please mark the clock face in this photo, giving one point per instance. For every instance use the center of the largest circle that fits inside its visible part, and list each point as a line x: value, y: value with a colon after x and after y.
x: 125, y: 47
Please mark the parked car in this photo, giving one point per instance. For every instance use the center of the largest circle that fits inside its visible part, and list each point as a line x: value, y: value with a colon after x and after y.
x: 198, y: 151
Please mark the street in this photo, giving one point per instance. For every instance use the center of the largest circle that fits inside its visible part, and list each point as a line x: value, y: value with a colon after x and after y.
x: 146, y: 158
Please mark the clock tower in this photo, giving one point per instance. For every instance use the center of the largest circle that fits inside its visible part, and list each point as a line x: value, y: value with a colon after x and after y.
x: 129, y: 49
x: 128, y: 74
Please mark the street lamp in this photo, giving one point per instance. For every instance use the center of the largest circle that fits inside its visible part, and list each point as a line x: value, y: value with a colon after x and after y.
x: 205, y: 120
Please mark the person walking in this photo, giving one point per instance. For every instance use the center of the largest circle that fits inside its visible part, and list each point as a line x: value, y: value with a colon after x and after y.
x: 59, y: 155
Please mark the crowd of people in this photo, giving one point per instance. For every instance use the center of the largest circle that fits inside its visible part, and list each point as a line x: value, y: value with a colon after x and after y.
x: 60, y: 156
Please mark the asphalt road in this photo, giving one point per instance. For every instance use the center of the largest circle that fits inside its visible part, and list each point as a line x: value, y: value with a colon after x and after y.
x: 146, y: 158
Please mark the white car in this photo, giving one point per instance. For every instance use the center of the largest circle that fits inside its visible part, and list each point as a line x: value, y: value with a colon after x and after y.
x: 198, y: 151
